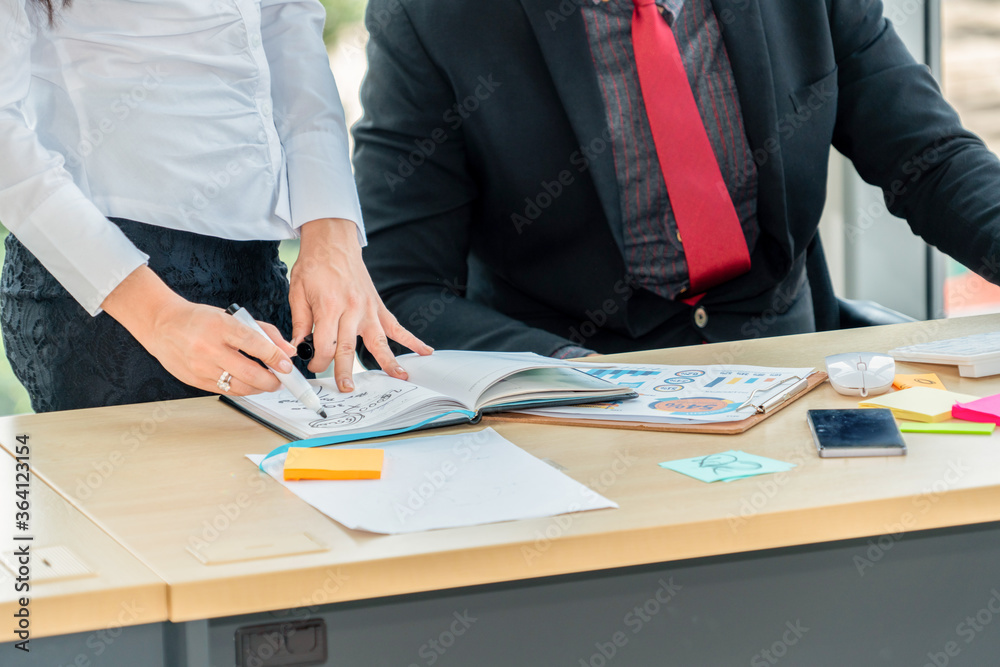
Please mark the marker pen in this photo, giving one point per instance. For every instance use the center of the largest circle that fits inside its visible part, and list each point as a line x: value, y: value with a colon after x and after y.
x: 294, y: 382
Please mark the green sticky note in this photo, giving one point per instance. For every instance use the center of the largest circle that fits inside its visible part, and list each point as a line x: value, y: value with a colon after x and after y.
x: 726, y: 466
x: 965, y: 428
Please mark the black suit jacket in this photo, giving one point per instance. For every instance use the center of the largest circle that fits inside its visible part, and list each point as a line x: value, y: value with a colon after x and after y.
x: 488, y: 188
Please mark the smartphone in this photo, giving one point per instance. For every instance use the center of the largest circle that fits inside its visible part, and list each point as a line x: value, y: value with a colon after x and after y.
x: 856, y: 432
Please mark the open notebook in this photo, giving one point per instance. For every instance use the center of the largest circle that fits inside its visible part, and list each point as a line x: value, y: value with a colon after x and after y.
x: 447, y: 387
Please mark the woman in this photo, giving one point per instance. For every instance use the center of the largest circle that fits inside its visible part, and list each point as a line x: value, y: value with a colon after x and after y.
x: 155, y: 154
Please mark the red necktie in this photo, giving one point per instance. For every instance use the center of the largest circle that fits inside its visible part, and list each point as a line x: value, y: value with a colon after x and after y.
x: 714, y: 245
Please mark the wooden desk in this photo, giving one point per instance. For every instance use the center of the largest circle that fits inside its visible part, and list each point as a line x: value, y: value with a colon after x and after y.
x: 107, y: 590
x: 178, y: 484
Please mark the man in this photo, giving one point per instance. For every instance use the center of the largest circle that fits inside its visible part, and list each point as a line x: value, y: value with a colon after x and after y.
x: 516, y: 177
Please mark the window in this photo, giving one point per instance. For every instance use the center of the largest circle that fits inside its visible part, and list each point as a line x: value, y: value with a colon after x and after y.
x: 970, y: 51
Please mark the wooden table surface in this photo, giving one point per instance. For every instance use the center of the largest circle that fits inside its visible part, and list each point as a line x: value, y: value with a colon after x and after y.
x: 227, y: 540
x: 110, y: 589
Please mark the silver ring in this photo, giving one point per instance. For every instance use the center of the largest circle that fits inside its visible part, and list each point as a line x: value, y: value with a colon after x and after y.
x: 223, y: 381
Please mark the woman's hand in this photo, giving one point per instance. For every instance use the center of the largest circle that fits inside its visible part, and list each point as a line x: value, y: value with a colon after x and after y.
x: 194, y: 342
x: 333, y: 297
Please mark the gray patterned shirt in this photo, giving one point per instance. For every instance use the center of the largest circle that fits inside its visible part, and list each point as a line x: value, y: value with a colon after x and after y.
x: 653, y: 254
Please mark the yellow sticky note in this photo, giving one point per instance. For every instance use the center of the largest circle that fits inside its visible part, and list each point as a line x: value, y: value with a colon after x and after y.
x: 319, y: 463
x: 918, y: 404
x: 930, y: 380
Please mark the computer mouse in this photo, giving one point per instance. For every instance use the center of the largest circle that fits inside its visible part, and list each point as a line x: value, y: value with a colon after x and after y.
x: 861, y: 373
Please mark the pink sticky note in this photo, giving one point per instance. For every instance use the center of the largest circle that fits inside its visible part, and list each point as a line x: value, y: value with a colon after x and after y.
x: 985, y: 410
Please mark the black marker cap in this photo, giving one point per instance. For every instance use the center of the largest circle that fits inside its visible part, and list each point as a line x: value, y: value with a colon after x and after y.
x: 305, y: 349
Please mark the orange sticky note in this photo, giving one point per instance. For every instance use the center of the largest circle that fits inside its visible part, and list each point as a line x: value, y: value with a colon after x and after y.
x: 320, y: 463
x: 927, y: 380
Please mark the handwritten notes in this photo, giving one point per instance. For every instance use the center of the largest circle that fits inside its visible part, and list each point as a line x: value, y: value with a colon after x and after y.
x: 930, y: 380
x: 727, y: 466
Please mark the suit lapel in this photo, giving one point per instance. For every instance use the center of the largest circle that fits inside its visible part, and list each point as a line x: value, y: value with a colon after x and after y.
x: 746, y: 44
x: 562, y: 37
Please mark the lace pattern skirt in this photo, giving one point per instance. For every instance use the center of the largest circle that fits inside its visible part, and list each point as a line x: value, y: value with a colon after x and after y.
x: 67, y: 359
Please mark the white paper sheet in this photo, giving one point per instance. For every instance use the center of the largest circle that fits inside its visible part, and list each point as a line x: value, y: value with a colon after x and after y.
x: 444, y: 481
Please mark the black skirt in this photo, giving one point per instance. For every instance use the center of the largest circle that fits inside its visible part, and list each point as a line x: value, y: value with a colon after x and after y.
x: 67, y: 359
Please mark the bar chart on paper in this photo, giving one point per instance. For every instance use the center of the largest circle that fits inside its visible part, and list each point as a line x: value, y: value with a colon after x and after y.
x: 678, y: 394
x: 728, y: 379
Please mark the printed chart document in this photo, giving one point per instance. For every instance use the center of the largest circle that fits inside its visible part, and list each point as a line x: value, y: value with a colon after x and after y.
x: 444, y: 388
x: 684, y: 394
x: 444, y: 481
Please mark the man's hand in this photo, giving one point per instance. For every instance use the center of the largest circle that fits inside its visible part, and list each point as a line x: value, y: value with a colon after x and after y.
x: 332, y: 296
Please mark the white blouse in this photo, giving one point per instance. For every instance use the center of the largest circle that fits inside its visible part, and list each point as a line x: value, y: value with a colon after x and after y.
x: 219, y: 117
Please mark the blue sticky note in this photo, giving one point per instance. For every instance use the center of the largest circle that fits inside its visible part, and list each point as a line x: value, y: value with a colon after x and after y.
x: 727, y: 466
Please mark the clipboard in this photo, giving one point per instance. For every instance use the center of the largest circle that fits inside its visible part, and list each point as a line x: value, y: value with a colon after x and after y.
x: 723, y: 428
